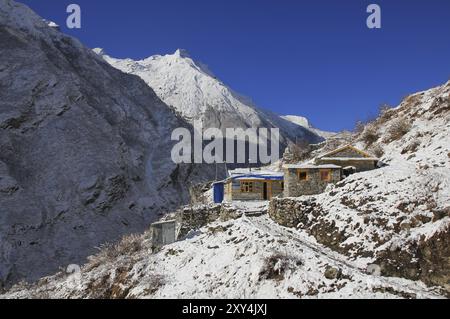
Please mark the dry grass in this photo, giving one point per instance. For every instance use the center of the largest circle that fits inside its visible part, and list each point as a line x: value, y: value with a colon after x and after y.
x: 109, y: 252
x: 370, y: 135
x: 118, y: 284
x: 397, y: 129
x: 411, y: 147
x: 377, y: 150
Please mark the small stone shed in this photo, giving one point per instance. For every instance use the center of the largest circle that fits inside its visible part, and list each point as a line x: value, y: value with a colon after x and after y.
x: 349, y: 157
x: 247, y: 185
x: 163, y: 233
x: 309, y: 179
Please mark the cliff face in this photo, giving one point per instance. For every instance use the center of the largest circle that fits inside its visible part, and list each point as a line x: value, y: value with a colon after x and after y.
x: 84, y: 150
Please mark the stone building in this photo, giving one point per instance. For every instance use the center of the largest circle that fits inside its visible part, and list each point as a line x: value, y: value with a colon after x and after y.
x: 253, y: 185
x: 309, y: 179
x: 313, y: 178
x: 349, y: 158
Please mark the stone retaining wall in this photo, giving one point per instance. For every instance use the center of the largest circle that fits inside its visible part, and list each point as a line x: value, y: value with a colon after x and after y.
x: 195, y: 217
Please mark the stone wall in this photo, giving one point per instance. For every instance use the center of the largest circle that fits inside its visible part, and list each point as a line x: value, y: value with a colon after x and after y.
x: 307, y: 214
x: 195, y: 217
x: 289, y: 212
x: 293, y: 187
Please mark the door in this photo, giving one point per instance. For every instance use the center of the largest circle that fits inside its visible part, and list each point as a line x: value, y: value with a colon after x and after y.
x: 265, y: 191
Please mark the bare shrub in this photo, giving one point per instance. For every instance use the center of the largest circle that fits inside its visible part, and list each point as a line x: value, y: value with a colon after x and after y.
x: 398, y: 129
x: 377, y: 150
x: 385, y: 113
x: 359, y: 127
x: 276, y: 265
x: 411, y: 147
x: 154, y: 284
x: 370, y: 135
x: 109, y: 252
x: 300, y: 151
x: 114, y: 285
x: 117, y: 284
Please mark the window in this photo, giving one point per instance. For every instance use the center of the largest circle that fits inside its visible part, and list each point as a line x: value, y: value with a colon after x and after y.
x: 302, y: 175
x: 325, y: 175
x: 282, y: 186
x: 247, y: 187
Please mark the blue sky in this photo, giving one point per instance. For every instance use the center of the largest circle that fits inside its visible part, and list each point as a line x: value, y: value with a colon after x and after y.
x: 315, y: 58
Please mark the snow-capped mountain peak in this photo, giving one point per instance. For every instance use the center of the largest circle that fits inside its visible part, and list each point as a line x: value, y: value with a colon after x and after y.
x: 195, y: 92
x: 299, y: 120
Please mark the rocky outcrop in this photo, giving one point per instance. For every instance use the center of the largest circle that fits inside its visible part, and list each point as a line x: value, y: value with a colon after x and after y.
x: 427, y: 259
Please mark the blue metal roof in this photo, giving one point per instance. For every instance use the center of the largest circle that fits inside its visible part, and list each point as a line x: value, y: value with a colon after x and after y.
x: 258, y: 176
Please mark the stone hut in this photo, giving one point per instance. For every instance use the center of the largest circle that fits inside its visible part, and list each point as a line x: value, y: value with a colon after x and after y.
x: 349, y: 158
x: 309, y: 179
x: 313, y: 178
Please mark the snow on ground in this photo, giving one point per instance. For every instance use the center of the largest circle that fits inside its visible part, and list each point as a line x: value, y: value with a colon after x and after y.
x: 251, y: 257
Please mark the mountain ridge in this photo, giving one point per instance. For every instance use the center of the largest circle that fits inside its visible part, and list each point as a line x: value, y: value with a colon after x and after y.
x: 197, y: 94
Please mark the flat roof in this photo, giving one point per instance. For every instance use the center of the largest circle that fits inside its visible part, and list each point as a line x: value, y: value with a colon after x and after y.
x: 164, y: 222
x: 258, y: 177
x: 253, y: 171
x: 312, y: 166
x: 254, y: 174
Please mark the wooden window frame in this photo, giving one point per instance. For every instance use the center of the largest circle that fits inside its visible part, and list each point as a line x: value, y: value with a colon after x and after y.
x: 300, y: 171
x: 329, y: 175
x: 247, y: 187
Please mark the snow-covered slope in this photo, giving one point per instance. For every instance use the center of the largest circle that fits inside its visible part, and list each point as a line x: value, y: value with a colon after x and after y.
x: 84, y: 149
x: 392, y: 222
x: 397, y: 216
x: 244, y: 258
x: 192, y: 89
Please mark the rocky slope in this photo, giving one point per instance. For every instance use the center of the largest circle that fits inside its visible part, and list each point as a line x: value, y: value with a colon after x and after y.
x: 397, y: 217
x: 250, y: 257
x: 84, y: 150
x: 193, y: 90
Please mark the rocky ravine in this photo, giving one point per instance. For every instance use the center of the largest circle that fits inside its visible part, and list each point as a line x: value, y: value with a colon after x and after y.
x: 84, y: 150
x: 397, y: 217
